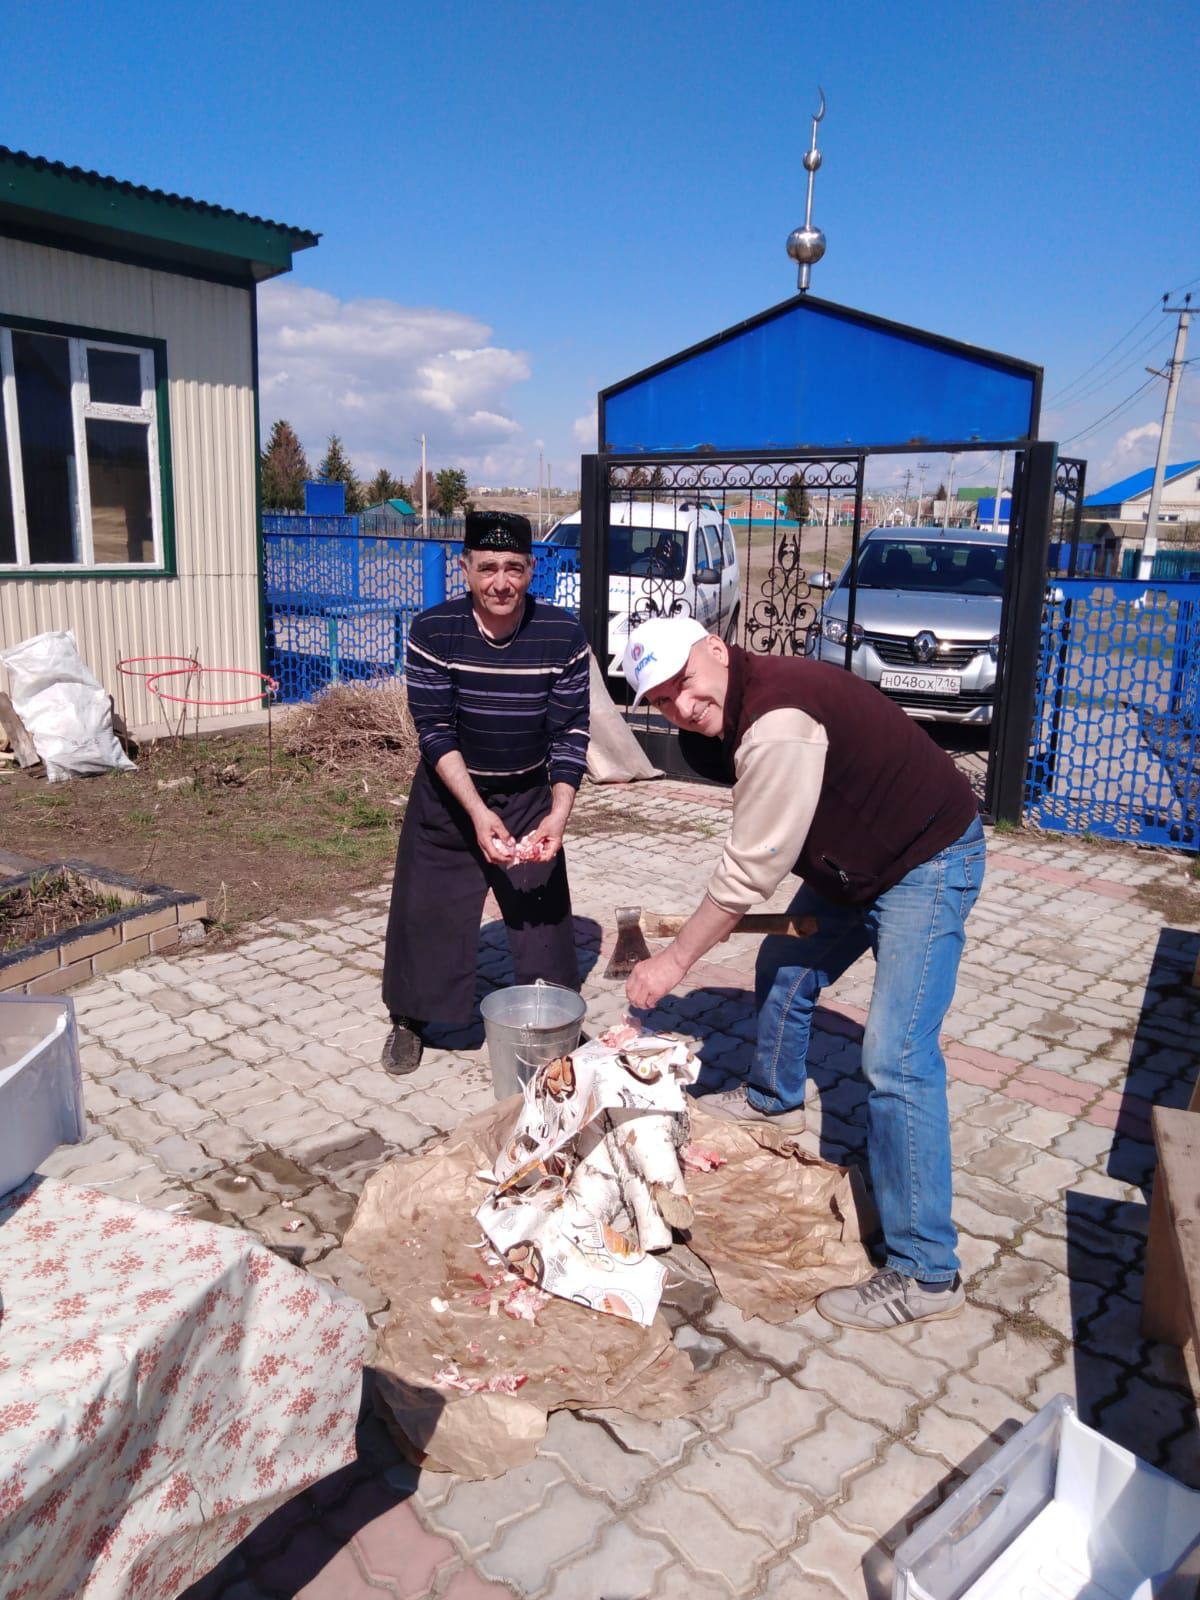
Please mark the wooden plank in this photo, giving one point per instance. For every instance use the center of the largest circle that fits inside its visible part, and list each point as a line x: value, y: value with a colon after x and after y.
x: 1171, y: 1295
x: 18, y: 736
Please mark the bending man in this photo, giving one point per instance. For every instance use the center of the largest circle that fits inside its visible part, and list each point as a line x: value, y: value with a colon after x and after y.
x: 498, y: 688
x: 833, y: 782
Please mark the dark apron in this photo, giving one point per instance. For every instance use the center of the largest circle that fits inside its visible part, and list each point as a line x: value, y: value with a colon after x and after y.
x: 441, y: 882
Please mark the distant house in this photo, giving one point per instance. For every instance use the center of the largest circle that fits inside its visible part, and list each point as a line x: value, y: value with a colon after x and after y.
x: 129, y: 419
x: 391, y: 508
x: 985, y: 508
x: 1128, y: 500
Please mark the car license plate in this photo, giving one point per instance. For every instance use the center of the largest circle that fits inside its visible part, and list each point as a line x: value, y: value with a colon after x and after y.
x: 949, y: 683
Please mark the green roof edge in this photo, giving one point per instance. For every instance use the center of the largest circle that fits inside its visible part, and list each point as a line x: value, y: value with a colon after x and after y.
x: 107, y: 207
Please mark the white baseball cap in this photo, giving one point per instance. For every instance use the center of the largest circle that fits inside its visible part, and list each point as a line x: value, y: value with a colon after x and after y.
x: 657, y: 650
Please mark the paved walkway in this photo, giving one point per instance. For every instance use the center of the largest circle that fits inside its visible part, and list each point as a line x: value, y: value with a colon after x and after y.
x: 244, y: 1084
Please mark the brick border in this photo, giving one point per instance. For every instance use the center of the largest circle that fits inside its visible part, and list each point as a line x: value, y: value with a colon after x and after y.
x: 153, y: 918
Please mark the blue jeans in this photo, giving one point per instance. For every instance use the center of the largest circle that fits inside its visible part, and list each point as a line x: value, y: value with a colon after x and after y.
x: 916, y: 933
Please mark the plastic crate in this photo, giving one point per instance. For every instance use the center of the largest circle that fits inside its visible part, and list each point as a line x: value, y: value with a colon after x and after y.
x: 1058, y: 1513
x: 41, y: 1091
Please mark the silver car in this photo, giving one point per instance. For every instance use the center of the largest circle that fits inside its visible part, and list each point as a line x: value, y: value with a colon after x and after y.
x: 926, y: 624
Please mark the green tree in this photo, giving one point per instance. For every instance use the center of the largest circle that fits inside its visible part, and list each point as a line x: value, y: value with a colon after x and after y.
x: 384, y: 487
x: 336, y: 468
x: 795, y: 501
x: 283, y: 467
x: 451, y: 485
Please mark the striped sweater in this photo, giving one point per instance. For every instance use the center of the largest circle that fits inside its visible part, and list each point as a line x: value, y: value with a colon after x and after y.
x: 506, y: 708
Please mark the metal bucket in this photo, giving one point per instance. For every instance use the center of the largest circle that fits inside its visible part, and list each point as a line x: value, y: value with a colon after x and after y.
x: 526, y: 1026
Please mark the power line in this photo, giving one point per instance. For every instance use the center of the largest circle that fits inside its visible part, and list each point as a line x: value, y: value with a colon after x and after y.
x: 1087, y: 371
x: 1120, y: 406
x: 1059, y: 393
x: 1132, y: 358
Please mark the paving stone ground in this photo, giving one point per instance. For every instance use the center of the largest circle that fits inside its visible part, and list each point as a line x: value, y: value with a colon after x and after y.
x: 244, y: 1084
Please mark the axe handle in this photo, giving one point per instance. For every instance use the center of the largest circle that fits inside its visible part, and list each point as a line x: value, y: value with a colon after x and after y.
x: 666, y: 927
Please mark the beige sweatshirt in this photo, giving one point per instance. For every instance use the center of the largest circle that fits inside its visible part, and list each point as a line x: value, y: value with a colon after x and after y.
x: 778, y: 770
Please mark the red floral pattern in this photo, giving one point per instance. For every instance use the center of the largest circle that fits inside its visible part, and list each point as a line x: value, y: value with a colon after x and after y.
x: 165, y: 1384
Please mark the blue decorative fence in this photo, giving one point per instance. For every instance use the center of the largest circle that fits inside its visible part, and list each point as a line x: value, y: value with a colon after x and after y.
x: 1116, y: 733
x: 1165, y: 563
x: 337, y: 604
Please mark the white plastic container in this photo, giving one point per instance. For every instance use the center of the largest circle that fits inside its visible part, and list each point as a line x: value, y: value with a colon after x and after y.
x: 1058, y: 1513
x: 41, y: 1090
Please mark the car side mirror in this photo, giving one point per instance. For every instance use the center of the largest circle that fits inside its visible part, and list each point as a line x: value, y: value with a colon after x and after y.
x: 708, y: 575
x: 820, y: 580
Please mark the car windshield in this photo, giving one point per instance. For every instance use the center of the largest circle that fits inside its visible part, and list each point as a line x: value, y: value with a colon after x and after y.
x: 635, y: 552
x: 937, y: 566
x: 565, y: 534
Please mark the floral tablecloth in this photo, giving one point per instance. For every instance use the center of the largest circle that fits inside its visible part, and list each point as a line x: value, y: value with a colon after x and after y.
x: 165, y: 1384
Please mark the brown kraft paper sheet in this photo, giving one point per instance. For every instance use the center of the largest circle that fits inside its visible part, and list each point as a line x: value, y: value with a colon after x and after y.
x: 776, y: 1229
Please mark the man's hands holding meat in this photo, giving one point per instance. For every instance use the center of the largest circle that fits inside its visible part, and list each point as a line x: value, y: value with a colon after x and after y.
x: 540, y: 844
x: 494, y: 839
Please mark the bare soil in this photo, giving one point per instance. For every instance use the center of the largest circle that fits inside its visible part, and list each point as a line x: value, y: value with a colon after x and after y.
x: 257, y: 837
x: 51, y: 903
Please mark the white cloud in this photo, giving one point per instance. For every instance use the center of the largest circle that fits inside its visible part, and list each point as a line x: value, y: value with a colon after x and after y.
x: 1133, y: 450
x: 586, y: 429
x: 377, y: 373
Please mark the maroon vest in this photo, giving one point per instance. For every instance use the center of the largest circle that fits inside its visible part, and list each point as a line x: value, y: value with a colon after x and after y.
x: 890, y: 798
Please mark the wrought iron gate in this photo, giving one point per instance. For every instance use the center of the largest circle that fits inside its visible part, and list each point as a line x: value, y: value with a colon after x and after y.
x: 749, y: 546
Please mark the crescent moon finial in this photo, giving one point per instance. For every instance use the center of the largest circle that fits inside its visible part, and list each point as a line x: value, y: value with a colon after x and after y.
x: 817, y: 115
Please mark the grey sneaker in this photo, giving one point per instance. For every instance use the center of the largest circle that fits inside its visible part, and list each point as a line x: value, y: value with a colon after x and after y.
x: 403, y: 1047
x: 888, y: 1299
x: 733, y: 1106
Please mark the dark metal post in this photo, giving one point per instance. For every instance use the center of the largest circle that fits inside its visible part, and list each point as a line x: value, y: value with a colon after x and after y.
x: 593, y: 555
x: 1024, y: 596
x: 855, y: 537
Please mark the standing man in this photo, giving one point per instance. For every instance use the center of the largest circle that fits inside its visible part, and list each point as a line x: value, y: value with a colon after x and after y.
x: 833, y: 782
x: 498, y: 689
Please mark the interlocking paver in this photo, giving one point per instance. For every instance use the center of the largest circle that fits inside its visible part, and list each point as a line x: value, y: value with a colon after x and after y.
x: 833, y: 1555
x: 858, y: 1390
x: 472, y: 1512
x: 744, y: 1493
x: 623, y: 1566
x: 706, y: 1540
x: 564, y: 1525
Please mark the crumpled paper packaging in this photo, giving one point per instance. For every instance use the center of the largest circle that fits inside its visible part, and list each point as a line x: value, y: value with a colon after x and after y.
x: 581, y: 1177
x: 776, y: 1228
x: 415, y: 1233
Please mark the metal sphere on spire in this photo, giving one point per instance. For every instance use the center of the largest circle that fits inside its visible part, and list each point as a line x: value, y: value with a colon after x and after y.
x: 806, y: 245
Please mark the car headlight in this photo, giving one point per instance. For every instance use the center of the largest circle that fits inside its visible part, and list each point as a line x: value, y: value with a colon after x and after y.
x: 834, y: 629
x: 994, y: 647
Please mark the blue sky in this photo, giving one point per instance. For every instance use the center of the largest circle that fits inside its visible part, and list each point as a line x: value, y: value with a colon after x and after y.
x: 522, y: 203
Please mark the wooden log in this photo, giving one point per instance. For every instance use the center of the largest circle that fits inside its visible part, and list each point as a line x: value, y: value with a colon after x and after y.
x: 18, y: 735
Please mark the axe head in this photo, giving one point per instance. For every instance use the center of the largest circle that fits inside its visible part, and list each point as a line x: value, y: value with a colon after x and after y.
x: 631, y: 946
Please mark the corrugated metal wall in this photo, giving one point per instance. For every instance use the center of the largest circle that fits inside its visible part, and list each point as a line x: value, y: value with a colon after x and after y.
x: 212, y: 606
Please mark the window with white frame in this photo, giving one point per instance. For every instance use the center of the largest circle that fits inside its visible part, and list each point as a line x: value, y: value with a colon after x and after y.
x: 79, y: 462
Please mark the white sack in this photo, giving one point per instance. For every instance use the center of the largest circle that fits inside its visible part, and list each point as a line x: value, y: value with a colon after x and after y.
x: 65, y: 709
x: 614, y: 755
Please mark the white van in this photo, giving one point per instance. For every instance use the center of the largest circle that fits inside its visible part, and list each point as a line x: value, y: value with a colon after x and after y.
x: 664, y: 559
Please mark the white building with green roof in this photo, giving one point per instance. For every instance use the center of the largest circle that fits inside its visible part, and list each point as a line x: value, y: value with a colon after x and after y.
x: 128, y: 422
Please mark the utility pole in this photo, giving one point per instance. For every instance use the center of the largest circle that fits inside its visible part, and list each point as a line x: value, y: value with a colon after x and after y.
x: 539, y: 491
x: 907, y: 481
x: 922, y: 469
x: 424, y: 492
x: 949, y: 494
x: 1150, y: 543
x: 999, y: 492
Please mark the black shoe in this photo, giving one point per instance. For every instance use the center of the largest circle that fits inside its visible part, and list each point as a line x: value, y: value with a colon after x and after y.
x: 403, y: 1046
